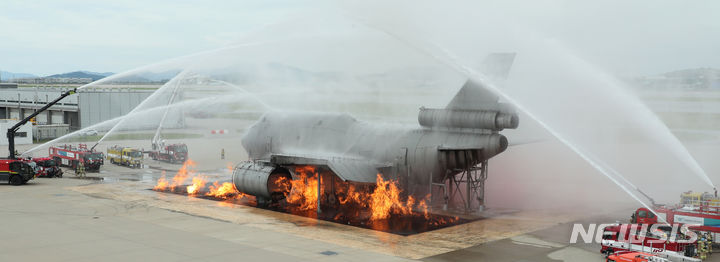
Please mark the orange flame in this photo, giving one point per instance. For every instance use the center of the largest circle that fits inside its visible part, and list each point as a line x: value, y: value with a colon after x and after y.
x: 225, y: 190
x: 162, y: 183
x: 304, y: 189
x: 197, y: 184
x: 383, y: 201
x: 182, y: 174
x: 423, y: 206
x: 386, y: 199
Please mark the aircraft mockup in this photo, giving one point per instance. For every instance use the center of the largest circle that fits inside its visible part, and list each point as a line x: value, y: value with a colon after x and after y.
x: 449, y: 142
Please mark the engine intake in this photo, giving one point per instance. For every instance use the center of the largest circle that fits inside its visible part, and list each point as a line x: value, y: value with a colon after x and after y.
x: 262, y: 180
x: 476, y: 119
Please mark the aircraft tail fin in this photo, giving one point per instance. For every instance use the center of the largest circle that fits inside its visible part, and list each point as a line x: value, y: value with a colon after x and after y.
x: 474, y: 95
x: 497, y: 65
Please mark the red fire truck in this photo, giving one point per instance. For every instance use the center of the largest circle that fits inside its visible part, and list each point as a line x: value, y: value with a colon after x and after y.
x: 631, y: 256
x: 637, y: 237
x: 70, y: 156
x: 47, y: 167
x: 16, y: 171
x: 701, y: 211
x: 174, y: 153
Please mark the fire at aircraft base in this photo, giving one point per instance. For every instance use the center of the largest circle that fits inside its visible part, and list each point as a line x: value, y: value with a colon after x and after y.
x: 377, y: 207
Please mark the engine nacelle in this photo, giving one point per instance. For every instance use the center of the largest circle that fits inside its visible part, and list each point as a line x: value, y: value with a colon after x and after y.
x: 262, y: 180
x: 476, y: 119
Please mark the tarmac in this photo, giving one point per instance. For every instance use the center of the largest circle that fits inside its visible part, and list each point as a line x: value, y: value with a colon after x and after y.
x: 112, y: 216
x: 87, y: 220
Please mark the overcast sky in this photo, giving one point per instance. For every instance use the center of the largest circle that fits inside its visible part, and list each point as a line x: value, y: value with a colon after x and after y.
x: 47, y: 37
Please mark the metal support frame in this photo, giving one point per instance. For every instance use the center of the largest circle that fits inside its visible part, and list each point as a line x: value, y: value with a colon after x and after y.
x: 474, y: 178
x: 444, y: 192
x: 319, y: 195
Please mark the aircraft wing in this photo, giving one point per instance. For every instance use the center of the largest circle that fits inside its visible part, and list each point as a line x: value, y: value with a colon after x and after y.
x: 347, y: 169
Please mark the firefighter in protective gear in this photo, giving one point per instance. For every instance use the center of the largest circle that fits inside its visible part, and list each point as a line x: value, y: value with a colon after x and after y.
x: 80, y: 169
x: 710, y: 242
x: 702, y: 248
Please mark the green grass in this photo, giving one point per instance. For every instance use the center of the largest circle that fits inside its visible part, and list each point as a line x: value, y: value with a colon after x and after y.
x: 694, y: 137
x: 681, y: 120
x: 681, y: 99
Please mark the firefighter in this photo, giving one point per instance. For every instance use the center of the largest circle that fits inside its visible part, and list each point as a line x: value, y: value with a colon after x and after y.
x: 702, y: 248
x: 80, y: 169
x: 708, y: 237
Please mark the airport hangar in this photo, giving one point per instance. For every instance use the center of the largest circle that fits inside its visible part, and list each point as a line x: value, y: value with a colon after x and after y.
x: 86, y: 108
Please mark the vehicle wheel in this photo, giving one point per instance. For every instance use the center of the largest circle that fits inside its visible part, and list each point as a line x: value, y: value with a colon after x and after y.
x: 16, y: 180
x: 608, y: 252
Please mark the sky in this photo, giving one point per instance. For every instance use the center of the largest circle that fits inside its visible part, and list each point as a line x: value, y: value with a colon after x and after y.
x: 48, y: 37
x: 624, y: 37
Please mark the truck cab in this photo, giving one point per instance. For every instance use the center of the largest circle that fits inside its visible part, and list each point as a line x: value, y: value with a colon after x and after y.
x: 125, y: 156
x: 132, y: 157
x: 179, y: 152
x: 16, y: 171
x: 93, y: 160
x: 643, y: 216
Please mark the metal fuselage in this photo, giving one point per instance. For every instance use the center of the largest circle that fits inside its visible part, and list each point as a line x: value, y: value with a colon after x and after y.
x: 419, y: 152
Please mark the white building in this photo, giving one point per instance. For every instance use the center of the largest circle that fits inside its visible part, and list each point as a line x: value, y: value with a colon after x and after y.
x: 22, y: 137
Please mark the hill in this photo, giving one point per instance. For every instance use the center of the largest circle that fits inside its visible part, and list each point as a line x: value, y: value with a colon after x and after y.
x: 80, y: 74
x: 5, y: 75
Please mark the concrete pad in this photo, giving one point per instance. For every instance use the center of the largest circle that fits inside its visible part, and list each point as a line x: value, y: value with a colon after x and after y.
x: 300, y: 228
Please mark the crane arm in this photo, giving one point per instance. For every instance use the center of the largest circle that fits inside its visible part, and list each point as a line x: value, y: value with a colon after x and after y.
x: 11, y: 131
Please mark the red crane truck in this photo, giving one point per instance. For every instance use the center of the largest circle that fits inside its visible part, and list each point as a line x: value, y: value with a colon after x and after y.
x: 18, y: 171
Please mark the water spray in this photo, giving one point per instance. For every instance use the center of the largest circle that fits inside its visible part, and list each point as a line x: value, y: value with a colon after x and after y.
x: 201, y: 101
x: 449, y: 60
x: 173, y: 82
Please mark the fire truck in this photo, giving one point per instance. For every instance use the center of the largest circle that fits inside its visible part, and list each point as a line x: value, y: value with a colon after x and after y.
x: 47, y: 167
x: 632, y: 256
x: 174, y: 153
x: 638, y: 237
x: 125, y: 156
x: 701, y: 211
x: 70, y: 156
x: 16, y: 171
